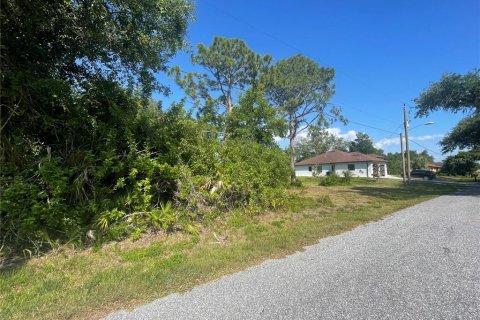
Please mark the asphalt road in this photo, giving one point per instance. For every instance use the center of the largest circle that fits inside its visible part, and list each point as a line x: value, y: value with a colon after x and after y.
x: 419, y: 263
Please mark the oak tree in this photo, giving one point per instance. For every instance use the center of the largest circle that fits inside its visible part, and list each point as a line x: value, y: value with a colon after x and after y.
x: 456, y: 93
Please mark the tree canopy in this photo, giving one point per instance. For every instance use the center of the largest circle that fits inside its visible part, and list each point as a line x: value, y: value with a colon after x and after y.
x: 418, y: 161
x: 300, y: 89
x: 137, y: 38
x: 230, y: 65
x: 455, y: 92
x: 54, y: 52
x: 465, y: 135
x: 463, y: 163
x: 364, y: 144
x: 254, y: 119
x: 319, y: 140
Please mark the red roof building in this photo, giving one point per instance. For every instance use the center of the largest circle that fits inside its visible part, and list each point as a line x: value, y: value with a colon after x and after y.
x: 435, y: 166
x: 359, y: 164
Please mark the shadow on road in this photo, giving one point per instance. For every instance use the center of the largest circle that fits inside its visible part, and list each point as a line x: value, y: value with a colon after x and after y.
x: 424, y: 188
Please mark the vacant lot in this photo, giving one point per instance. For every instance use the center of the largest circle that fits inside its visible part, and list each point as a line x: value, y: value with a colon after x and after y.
x: 90, y: 284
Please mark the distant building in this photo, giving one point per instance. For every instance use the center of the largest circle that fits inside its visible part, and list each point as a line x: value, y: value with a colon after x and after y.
x: 359, y: 164
x: 435, y: 166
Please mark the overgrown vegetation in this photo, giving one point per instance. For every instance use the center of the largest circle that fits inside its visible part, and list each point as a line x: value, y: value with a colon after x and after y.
x: 122, y: 188
x: 87, y: 157
x: 90, y: 284
x: 345, y: 179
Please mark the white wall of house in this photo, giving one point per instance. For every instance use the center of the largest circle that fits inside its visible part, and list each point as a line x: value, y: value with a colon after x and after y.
x: 302, y: 171
x: 361, y: 169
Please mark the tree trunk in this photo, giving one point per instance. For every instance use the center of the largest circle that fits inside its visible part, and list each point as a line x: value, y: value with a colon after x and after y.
x: 291, y: 136
x: 293, y: 177
x: 229, y: 103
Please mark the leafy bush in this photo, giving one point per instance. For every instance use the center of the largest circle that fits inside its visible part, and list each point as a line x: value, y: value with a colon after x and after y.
x: 162, y: 218
x: 331, y: 180
x: 335, y: 180
x: 462, y: 164
x: 297, y: 183
x: 236, y: 173
x: 57, y: 194
x: 347, y: 176
x: 86, y: 157
x: 152, y: 175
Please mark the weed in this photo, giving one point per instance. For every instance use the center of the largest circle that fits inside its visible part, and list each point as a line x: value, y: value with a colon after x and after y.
x: 92, y: 284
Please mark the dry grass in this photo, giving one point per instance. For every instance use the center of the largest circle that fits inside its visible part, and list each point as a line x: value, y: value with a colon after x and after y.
x: 90, y: 284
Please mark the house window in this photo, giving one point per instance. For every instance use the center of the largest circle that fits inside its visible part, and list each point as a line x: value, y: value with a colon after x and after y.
x: 351, y: 166
x: 309, y: 168
x: 319, y: 168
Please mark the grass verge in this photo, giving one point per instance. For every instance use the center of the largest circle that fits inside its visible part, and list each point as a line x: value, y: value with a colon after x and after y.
x: 90, y: 284
x: 456, y: 178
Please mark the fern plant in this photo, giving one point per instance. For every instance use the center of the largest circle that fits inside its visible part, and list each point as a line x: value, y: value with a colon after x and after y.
x: 162, y: 218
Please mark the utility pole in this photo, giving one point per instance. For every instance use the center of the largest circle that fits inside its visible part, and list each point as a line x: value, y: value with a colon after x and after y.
x: 406, y: 125
x: 403, y: 158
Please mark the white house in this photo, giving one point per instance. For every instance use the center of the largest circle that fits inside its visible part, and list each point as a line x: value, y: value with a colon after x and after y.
x: 359, y: 164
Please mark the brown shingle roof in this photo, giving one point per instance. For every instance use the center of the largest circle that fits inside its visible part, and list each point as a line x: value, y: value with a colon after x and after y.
x: 435, y: 165
x: 337, y: 156
x: 376, y: 156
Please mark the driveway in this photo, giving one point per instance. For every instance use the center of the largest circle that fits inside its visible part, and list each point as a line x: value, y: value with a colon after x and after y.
x: 419, y: 263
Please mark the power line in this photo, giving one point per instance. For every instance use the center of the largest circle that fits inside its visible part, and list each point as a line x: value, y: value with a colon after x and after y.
x: 362, y: 124
x: 287, y: 44
x: 371, y: 127
x: 399, y: 126
x: 333, y: 117
x: 392, y: 133
x: 328, y: 115
x: 425, y: 147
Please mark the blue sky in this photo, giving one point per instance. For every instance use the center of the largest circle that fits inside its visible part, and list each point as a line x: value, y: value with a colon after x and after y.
x: 384, y: 53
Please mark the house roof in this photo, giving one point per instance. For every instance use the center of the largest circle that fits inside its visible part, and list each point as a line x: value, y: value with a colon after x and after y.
x: 376, y: 156
x: 337, y: 156
x: 435, y: 165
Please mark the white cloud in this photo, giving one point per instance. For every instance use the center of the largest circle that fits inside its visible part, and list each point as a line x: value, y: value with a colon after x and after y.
x: 426, y: 138
x: 302, y: 134
x: 396, y: 141
x: 349, y: 135
x: 386, y: 142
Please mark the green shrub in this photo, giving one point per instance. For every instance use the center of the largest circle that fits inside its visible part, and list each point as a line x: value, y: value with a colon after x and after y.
x: 144, y: 169
x: 347, y: 176
x: 335, y: 180
x: 297, y: 183
x: 233, y: 174
x: 162, y: 218
x: 331, y: 180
